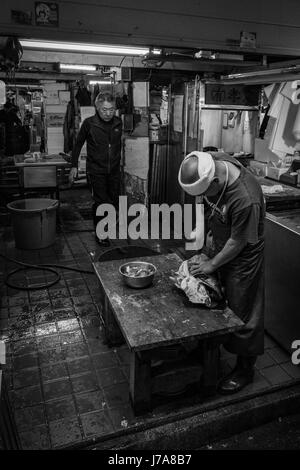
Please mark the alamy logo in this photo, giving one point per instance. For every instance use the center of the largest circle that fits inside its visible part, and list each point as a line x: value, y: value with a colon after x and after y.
x: 295, y: 98
x: 159, y: 221
x: 296, y: 353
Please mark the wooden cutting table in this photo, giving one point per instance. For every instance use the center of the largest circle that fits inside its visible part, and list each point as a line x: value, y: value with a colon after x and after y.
x: 157, y: 317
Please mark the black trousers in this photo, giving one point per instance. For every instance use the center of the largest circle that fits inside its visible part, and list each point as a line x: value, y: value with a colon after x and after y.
x: 105, y: 189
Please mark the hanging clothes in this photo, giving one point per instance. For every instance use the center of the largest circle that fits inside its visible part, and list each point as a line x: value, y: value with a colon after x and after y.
x: 69, y: 127
x: 83, y: 95
x: 17, y: 137
x: 96, y: 91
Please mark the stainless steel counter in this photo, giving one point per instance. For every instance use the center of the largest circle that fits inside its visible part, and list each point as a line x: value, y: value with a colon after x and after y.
x: 288, y: 218
x: 282, y: 312
x: 287, y: 198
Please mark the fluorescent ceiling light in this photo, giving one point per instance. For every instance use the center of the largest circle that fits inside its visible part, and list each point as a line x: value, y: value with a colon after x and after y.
x: 156, y: 51
x: 88, y: 68
x: 100, y: 82
x: 267, y: 72
x: 83, y: 47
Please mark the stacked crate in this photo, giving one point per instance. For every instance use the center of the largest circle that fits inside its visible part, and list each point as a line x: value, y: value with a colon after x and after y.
x: 56, y: 99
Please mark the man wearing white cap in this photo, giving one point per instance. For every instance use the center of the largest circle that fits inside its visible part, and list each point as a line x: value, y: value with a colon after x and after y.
x: 236, y: 212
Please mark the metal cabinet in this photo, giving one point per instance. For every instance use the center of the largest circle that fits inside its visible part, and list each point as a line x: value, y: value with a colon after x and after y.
x: 282, y: 270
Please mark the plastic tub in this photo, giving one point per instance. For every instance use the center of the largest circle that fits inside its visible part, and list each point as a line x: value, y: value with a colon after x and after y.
x: 34, y: 222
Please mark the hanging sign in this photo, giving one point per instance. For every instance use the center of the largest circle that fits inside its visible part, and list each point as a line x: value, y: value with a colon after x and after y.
x: 46, y: 14
x: 240, y: 95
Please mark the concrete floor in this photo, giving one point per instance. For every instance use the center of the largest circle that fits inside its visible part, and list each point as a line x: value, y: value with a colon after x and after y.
x: 66, y: 387
x: 280, y: 434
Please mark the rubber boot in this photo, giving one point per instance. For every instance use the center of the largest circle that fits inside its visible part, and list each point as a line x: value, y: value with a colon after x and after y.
x: 239, y: 377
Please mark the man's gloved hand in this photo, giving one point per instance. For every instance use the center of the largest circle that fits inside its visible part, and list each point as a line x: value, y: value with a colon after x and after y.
x: 201, y: 267
x: 72, y: 174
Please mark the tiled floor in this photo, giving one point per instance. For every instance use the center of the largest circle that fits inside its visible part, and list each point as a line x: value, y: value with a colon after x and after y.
x: 66, y: 386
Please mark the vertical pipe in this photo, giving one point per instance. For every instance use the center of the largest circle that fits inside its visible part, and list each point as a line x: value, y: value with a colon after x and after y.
x: 168, y: 141
x: 185, y: 128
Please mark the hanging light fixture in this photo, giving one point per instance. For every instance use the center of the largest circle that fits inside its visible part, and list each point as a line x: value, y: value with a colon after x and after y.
x: 100, y: 82
x: 270, y: 75
x: 87, y: 68
x: 84, y: 47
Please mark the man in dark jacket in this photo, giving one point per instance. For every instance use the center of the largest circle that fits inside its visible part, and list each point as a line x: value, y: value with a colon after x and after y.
x: 102, y: 133
x: 236, y: 210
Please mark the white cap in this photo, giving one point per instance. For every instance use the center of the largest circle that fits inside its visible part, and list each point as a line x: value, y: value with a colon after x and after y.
x: 201, y: 175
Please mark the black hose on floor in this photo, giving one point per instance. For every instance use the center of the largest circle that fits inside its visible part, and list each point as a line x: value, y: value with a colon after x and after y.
x: 119, y: 252
x: 42, y: 267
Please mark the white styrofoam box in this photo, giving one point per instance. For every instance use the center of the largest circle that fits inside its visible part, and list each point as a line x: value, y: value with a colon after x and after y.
x: 275, y: 173
x: 51, y: 95
x: 64, y: 96
x: 55, y: 149
x: 54, y: 139
x: 85, y: 112
x: 54, y: 144
x: 258, y: 168
x: 262, y: 153
x: 55, y: 130
x: 51, y: 100
x: 55, y: 119
x: 58, y: 108
x: 54, y: 86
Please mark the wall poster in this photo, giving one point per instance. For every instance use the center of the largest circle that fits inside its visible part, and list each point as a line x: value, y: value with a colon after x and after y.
x: 46, y: 14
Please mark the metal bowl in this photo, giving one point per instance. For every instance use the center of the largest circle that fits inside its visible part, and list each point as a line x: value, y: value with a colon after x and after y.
x: 137, y: 282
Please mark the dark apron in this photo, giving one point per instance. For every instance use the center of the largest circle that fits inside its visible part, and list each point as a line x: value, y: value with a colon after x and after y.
x: 243, y: 280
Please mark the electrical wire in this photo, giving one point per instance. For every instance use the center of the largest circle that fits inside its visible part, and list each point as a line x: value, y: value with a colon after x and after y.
x: 42, y: 267
x: 122, y: 60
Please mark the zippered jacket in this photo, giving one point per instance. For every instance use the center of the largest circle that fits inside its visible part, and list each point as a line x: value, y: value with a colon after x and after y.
x: 103, y: 141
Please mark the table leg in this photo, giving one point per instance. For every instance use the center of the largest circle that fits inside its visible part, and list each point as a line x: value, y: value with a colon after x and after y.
x: 210, y: 361
x: 112, y: 331
x: 140, y: 382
